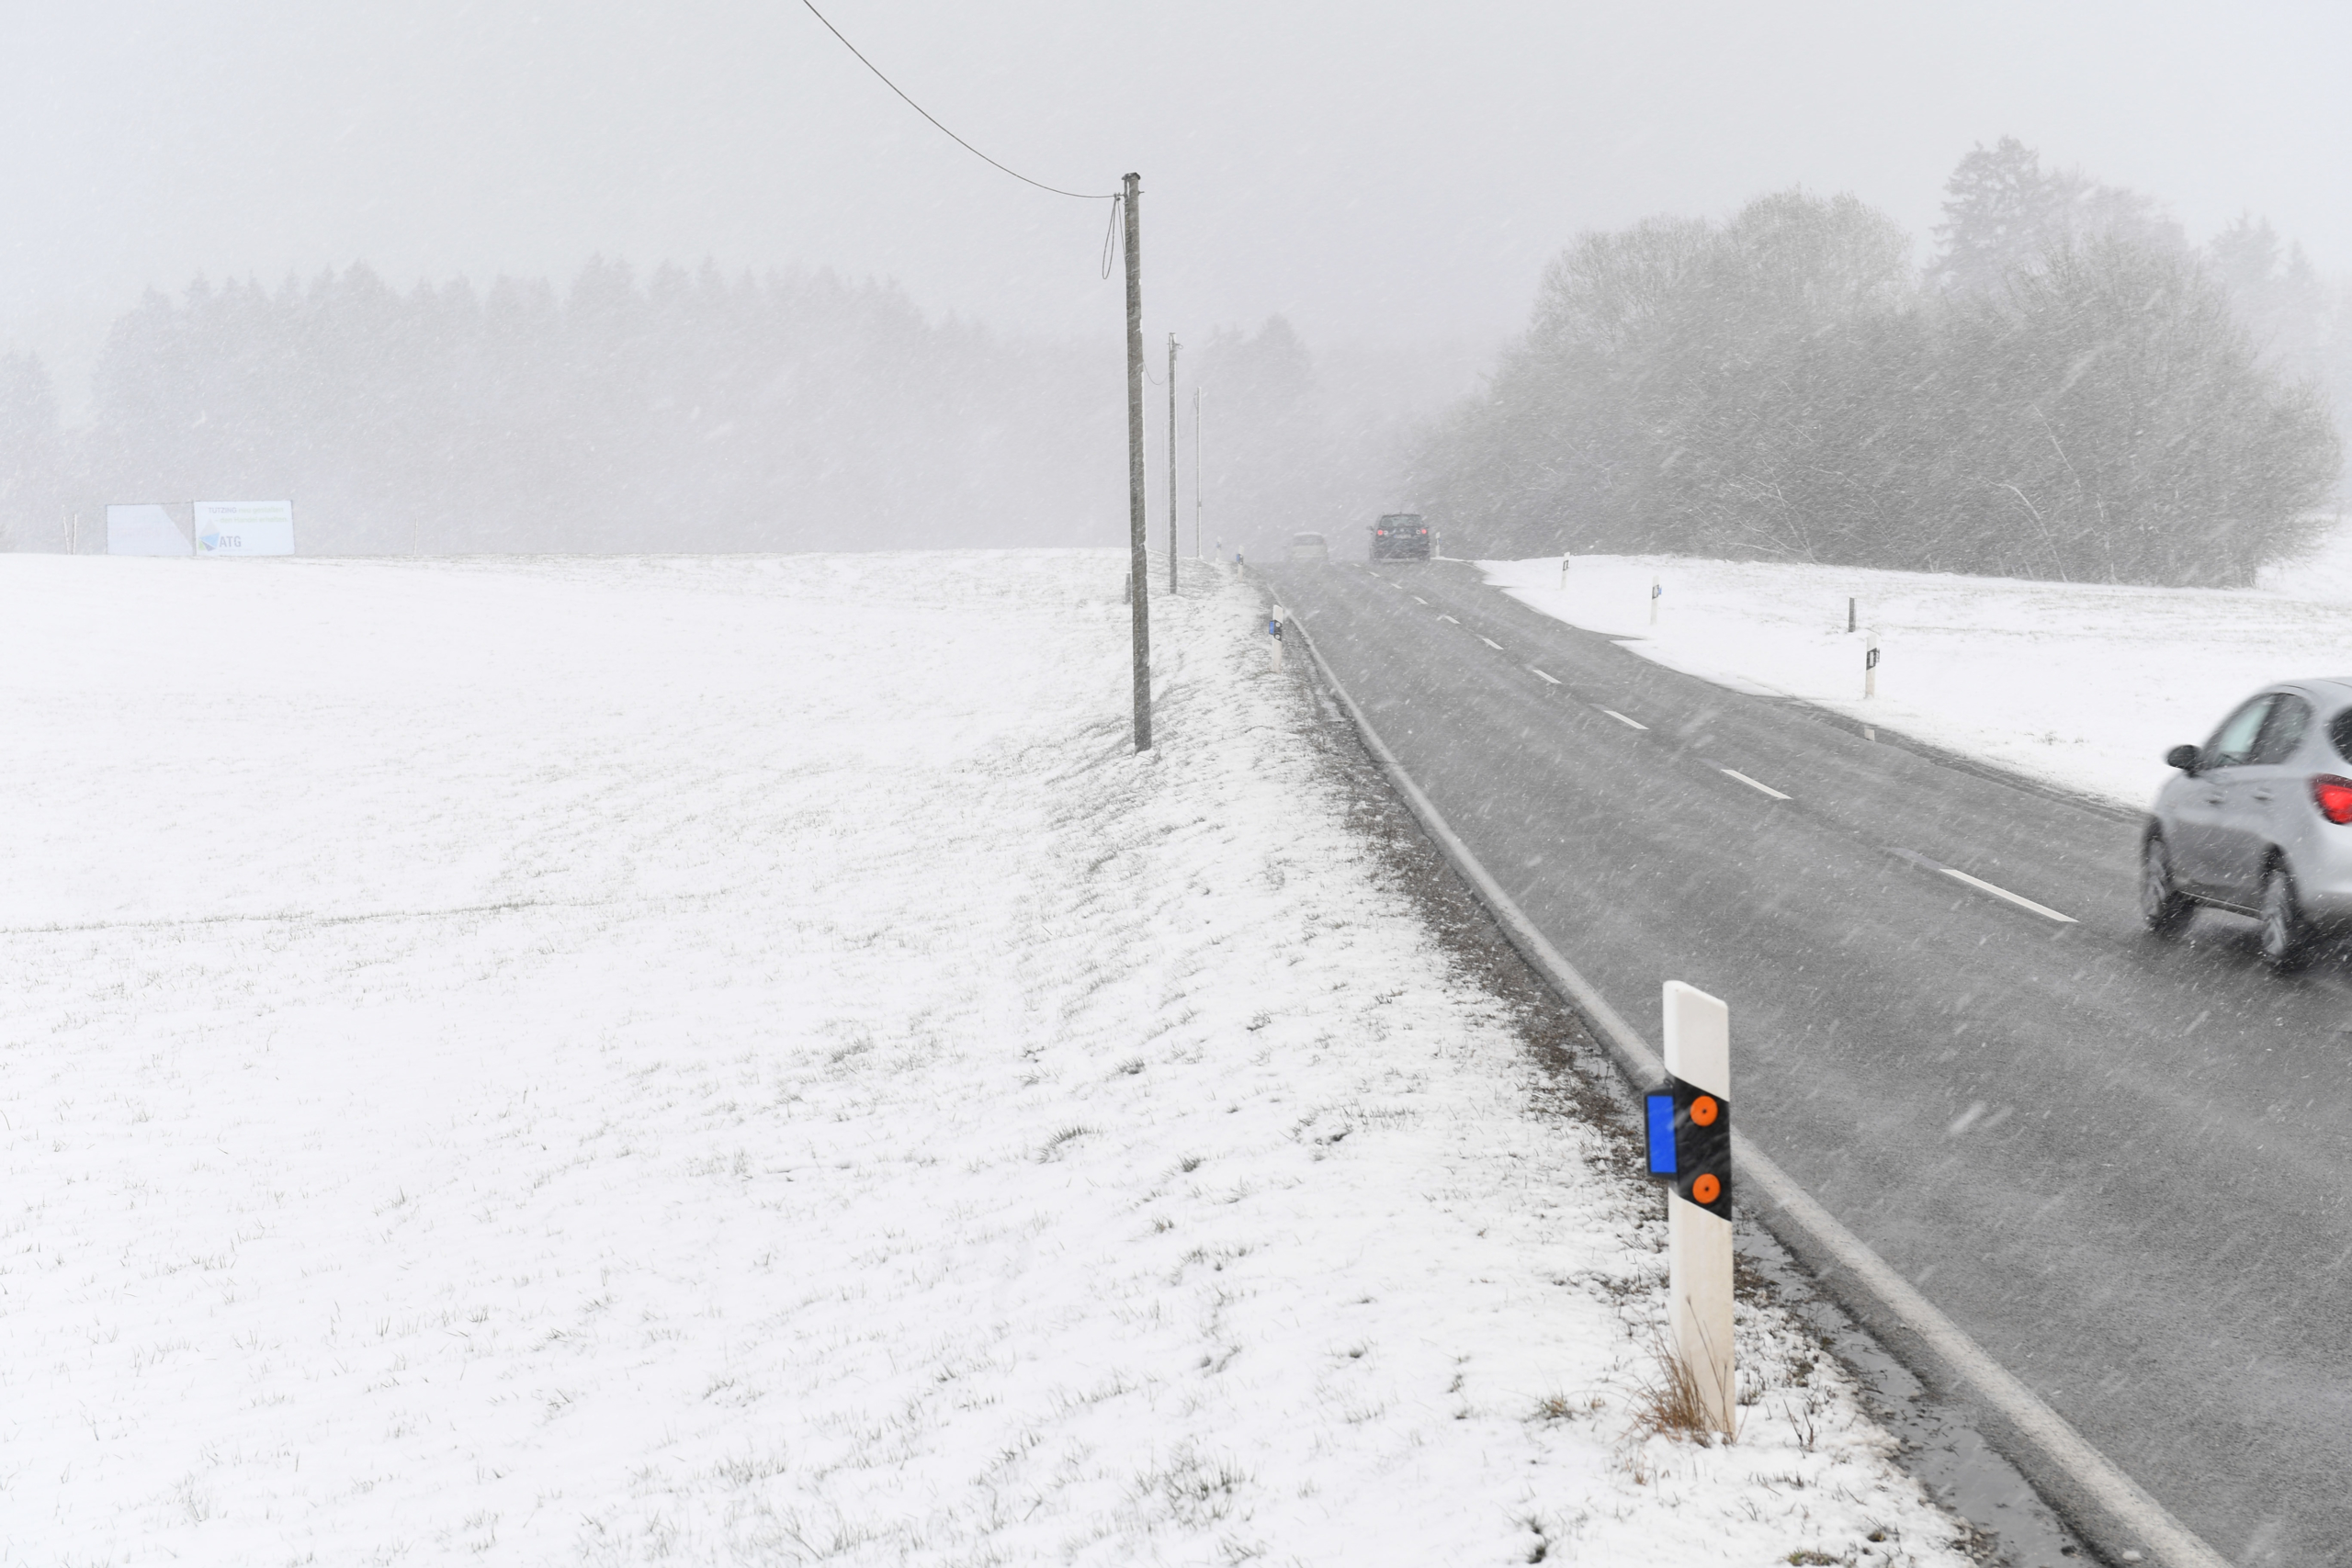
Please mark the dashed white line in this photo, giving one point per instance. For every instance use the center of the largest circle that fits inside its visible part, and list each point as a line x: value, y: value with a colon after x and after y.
x: 1752, y: 783
x: 1449, y: 618
x: 1628, y: 723
x: 1540, y: 675
x: 2021, y: 901
x: 1417, y: 599
x: 1490, y: 642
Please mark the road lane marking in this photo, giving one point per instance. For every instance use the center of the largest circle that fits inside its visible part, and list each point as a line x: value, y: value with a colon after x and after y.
x: 1629, y: 723
x: 1533, y: 671
x: 1490, y: 642
x: 1418, y: 599
x: 1449, y: 618
x: 2021, y: 901
x: 1864, y: 1279
x: 1752, y: 783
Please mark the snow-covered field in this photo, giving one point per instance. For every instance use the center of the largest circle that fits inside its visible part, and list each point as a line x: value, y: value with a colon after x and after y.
x: 2085, y: 686
x: 733, y: 1060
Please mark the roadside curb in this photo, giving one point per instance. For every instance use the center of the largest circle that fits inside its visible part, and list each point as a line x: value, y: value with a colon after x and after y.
x: 2097, y: 1499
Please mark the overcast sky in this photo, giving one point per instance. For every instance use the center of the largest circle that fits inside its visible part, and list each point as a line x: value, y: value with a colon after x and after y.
x: 1374, y: 171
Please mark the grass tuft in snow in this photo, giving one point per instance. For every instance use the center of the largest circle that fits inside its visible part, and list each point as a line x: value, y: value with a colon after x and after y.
x: 1667, y: 1401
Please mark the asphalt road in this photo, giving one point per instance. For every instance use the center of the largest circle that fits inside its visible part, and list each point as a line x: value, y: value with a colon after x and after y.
x: 2121, y: 1163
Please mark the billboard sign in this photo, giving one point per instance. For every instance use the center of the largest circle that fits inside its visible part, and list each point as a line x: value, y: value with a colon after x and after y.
x: 244, y: 527
x: 146, y: 529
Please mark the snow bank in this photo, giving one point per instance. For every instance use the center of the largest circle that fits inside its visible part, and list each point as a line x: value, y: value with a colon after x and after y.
x: 2083, y: 686
x: 733, y: 1060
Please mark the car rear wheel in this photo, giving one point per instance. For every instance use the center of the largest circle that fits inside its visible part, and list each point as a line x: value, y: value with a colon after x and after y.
x: 2163, y: 907
x: 2286, y: 935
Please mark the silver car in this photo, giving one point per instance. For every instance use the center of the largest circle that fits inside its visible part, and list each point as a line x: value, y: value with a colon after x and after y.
x: 2258, y: 821
x: 1309, y: 547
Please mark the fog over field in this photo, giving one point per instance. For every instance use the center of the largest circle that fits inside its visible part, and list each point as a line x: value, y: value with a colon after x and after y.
x: 482, y: 278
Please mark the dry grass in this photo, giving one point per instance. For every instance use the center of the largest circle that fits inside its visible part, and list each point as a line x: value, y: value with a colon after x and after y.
x: 1671, y: 1403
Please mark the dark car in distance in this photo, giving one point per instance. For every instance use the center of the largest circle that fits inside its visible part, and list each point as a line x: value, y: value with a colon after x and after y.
x: 1400, y: 535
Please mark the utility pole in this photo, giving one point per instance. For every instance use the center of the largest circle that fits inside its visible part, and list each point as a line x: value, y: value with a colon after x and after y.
x: 1140, y: 555
x: 1197, y: 473
x: 1171, y: 462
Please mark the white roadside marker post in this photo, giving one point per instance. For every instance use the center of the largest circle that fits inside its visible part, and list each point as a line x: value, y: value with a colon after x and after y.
x: 1274, y: 630
x: 1689, y: 1145
x: 1564, y: 570
x: 1655, y: 592
x: 1869, y: 665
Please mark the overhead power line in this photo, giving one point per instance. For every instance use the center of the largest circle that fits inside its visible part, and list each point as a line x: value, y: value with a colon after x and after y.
x: 1082, y: 196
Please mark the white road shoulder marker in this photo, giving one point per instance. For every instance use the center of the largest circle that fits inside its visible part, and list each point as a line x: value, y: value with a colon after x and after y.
x: 2018, y: 899
x: 1768, y: 789
x: 1539, y: 674
x: 1629, y: 723
x: 1490, y: 642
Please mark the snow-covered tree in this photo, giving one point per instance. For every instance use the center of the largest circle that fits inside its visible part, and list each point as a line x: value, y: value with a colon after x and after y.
x: 2004, y: 212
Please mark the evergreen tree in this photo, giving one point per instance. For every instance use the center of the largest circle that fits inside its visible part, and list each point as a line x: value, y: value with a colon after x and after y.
x: 29, y: 452
x: 2003, y: 213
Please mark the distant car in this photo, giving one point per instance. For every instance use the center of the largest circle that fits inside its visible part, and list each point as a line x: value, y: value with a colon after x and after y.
x: 1400, y: 535
x: 1309, y: 547
x: 2259, y: 821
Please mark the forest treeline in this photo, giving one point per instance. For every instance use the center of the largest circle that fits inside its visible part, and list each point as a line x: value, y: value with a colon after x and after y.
x: 2068, y: 392
x: 2067, y: 389
x: 673, y: 411
x: 677, y: 410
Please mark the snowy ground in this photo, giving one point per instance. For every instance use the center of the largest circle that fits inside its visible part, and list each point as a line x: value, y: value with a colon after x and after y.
x: 2084, y: 685
x: 715, y: 1060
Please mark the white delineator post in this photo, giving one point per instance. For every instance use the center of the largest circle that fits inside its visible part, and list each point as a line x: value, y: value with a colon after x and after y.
x: 1869, y: 665
x: 1274, y: 630
x: 1656, y: 590
x: 1563, y: 571
x: 1698, y: 1243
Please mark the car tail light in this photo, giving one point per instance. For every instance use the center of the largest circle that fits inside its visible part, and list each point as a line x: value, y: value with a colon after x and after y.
x: 2333, y: 797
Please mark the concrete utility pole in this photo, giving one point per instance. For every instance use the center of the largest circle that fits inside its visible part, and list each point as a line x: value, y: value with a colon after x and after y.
x: 1172, y: 346
x: 1140, y: 554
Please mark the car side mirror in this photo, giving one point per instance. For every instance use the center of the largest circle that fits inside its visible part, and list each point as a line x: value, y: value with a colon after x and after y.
x: 2182, y: 757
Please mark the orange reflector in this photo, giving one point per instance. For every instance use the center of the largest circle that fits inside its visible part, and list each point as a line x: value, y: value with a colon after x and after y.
x: 1706, y: 1189
x: 1703, y: 1110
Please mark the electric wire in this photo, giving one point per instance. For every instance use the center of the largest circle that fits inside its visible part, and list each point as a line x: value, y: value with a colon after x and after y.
x: 1079, y: 195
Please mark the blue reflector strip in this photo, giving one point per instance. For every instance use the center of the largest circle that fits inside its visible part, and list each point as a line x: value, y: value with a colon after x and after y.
x: 1661, y: 1119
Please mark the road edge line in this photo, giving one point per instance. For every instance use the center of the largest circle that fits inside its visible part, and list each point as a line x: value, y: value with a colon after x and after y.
x: 2086, y: 1488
